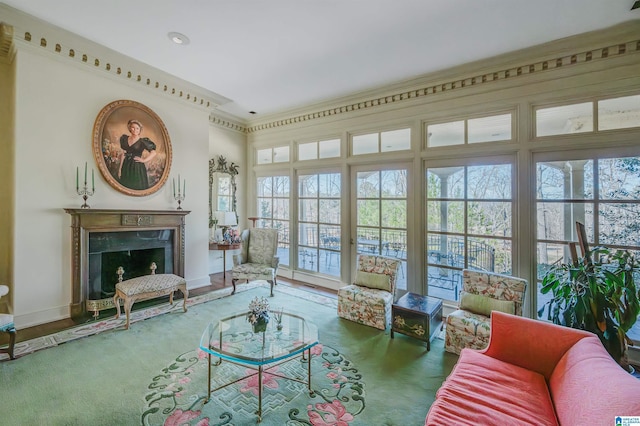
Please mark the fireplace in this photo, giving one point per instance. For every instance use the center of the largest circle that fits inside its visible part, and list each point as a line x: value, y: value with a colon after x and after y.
x: 104, y: 240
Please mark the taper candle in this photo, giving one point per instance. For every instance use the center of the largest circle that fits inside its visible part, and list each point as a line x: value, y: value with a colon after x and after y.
x: 93, y: 182
x: 184, y: 188
x: 85, y: 173
x: 179, y: 186
x: 77, y: 178
x: 174, y: 187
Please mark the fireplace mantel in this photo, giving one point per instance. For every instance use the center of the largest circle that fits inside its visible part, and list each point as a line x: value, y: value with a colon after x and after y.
x: 86, y: 221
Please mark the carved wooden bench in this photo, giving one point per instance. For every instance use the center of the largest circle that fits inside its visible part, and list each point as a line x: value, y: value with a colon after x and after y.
x: 147, y: 287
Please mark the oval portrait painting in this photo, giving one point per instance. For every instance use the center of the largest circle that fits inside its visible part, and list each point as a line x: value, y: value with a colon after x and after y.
x: 132, y: 148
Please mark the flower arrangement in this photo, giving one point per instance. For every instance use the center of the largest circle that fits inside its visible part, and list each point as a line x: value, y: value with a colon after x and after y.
x: 258, y: 311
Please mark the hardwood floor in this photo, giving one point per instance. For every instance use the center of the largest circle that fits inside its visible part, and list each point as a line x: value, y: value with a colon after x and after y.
x: 217, y: 282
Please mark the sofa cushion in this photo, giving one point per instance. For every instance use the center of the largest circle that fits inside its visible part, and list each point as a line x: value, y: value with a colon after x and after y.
x: 576, y: 385
x: 370, y: 280
x: 483, y: 305
x: 485, y: 391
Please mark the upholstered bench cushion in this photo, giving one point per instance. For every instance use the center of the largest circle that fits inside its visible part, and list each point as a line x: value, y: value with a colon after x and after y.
x: 253, y: 269
x: 364, y: 305
x: 149, y: 283
x: 6, y: 322
x: 487, y: 391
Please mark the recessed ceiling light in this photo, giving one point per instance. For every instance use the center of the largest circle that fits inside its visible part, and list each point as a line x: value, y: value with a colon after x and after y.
x: 178, y: 38
x: 252, y: 112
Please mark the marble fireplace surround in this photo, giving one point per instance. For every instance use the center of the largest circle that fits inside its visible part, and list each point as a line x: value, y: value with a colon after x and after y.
x: 92, y: 225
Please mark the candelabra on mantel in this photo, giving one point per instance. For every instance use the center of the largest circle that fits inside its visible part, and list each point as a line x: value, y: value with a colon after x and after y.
x: 180, y: 195
x: 84, y: 191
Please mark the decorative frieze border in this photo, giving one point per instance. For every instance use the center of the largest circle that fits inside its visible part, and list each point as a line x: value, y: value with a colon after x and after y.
x: 569, y: 60
x: 10, y: 34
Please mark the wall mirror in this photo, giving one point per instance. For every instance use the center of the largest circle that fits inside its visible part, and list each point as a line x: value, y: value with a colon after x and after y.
x: 222, y: 192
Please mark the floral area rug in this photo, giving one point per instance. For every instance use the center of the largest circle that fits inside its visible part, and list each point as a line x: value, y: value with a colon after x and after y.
x: 176, y: 395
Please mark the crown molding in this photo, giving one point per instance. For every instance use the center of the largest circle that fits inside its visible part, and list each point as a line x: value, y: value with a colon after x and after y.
x: 7, y: 48
x: 43, y: 38
x: 227, y: 122
x: 571, y: 52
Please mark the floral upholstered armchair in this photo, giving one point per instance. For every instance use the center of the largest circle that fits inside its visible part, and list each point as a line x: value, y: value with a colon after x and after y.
x: 482, y: 292
x: 6, y: 325
x: 368, y: 300
x: 257, y: 259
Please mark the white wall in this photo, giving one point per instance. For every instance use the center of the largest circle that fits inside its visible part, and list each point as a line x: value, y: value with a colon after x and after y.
x: 56, y: 105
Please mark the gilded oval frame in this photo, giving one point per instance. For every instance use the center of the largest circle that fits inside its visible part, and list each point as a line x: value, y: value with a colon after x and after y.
x: 111, y: 125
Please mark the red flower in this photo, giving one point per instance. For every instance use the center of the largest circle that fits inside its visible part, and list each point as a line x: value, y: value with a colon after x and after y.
x: 334, y: 414
x: 179, y: 418
x: 268, y: 380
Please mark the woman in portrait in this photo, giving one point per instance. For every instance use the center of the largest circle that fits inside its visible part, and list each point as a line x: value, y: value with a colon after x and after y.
x: 133, y: 171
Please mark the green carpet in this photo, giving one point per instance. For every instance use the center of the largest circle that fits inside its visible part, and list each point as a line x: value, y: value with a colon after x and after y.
x: 154, y: 374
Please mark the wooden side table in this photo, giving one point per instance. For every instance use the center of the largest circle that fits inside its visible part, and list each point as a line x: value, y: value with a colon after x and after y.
x: 417, y: 316
x: 224, y: 247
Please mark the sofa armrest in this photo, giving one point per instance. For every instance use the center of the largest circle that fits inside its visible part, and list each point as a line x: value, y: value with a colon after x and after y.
x: 528, y: 343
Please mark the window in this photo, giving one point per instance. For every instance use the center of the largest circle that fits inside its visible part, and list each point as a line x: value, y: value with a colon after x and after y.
x: 272, y: 155
x: 372, y: 143
x: 616, y: 113
x: 469, y: 224
x: 474, y: 130
x: 602, y: 193
x: 319, y: 239
x: 274, y: 193
x: 321, y: 149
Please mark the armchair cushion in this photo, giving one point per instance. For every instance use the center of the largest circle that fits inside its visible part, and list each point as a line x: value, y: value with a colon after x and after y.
x: 371, y: 280
x: 484, y: 305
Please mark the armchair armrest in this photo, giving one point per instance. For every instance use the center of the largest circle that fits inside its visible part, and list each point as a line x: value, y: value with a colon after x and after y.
x: 528, y: 343
x: 275, y: 262
x: 238, y: 259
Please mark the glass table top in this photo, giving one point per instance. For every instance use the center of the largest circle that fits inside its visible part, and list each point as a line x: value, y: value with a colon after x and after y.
x: 232, y: 338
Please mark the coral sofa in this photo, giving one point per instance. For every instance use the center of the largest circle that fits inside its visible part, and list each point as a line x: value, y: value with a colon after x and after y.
x: 535, y: 373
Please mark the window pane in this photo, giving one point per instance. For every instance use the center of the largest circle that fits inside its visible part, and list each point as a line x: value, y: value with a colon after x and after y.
x: 308, y: 186
x: 490, y: 255
x: 368, y: 212
x: 620, y: 224
x: 281, y: 208
x: 556, y: 221
x: 394, y: 183
x: 550, y: 254
x: 489, y: 129
x: 396, y: 140
x: 395, y: 213
x: 330, y: 211
x: 368, y: 184
x: 565, y: 180
x: 264, y: 156
x: 619, y: 178
x: 330, y: 148
x: 281, y: 154
x: 330, y: 237
x: 264, y: 207
x: 308, y: 151
x: 446, y: 216
x: 619, y: 113
x: 265, y: 186
x: 487, y: 182
x: 307, y: 234
x: 281, y: 186
x: 330, y: 185
x: 445, y: 182
x: 365, y: 144
x: 562, y: 120
x: 309, y: 210
x: 490, y: 218
x: 445, y: 134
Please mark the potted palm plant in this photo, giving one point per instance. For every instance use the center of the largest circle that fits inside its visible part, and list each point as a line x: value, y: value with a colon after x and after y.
x: 597, y: 293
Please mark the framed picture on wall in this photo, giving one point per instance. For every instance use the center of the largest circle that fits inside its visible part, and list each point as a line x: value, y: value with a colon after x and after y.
x: 132, y: 148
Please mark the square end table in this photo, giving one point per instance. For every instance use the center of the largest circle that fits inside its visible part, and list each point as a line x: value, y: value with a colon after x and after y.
x: 417, y: 316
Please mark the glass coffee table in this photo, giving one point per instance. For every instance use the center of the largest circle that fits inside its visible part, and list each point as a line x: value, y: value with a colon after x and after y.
x: 232, y: 339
